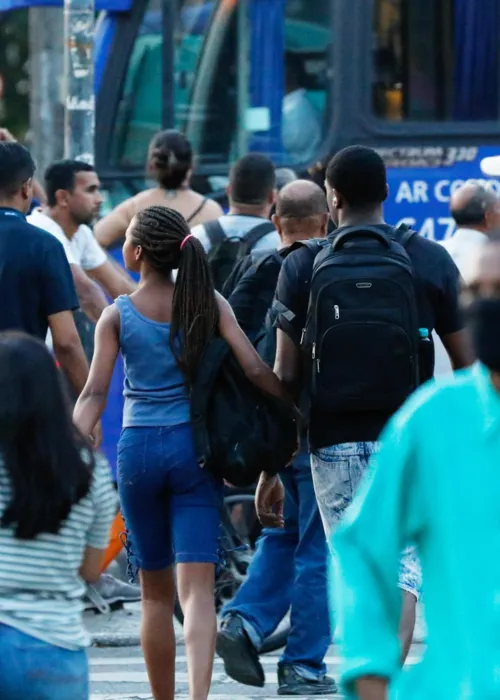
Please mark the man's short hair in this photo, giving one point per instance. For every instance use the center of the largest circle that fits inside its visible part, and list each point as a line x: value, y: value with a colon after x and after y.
x: 292, y: 205
x: 473, y: 210
x: 61, y: 176
x: 252, y: 179
x: 16, y: 167
x: 358, y: 174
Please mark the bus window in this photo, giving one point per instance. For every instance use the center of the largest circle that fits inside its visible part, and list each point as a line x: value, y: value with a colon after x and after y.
x: 247, y: 76
x: 435, y: 60
x: 263, y: 82
x: 307, y: 79
x: 139, y: 114
x: 140, y: 109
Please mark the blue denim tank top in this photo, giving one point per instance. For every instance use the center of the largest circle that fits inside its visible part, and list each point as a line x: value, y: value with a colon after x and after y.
x: 154, y: 388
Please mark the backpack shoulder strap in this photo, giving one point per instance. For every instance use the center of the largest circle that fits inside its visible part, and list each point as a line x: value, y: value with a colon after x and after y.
x: 255, y: 234
x: 215, y: 232
x: 260, y: 260
x: 405, y: 234
x: 315, y: 245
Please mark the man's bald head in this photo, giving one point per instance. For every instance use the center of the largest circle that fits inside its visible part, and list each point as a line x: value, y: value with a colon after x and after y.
x: 301, y: 211
x: 475, y: 206
x: 301, y: 199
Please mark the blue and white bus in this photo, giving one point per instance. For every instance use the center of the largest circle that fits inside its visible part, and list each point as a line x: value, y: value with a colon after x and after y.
x: 419, y: 81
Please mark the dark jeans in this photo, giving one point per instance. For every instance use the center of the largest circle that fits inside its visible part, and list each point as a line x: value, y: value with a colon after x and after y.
x: 289, y: 570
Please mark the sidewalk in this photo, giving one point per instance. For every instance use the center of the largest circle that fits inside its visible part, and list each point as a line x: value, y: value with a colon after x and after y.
x: 122, y: 628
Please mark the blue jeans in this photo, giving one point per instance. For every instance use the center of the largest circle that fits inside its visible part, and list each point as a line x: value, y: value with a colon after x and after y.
x: 337, y: 472
x: 34, y: 670
x: 289, y: 570
x: 171, y: 506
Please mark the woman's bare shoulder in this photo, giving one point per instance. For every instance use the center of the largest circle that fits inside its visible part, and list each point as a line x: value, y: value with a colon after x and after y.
x: 211, y: 210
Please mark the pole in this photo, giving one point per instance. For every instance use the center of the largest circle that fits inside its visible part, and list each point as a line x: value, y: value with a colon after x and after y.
x: 46, y: 72
x: 79, y: 125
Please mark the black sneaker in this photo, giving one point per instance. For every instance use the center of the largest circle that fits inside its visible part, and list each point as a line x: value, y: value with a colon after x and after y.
x: 291, y: 683
x: 241, y: 660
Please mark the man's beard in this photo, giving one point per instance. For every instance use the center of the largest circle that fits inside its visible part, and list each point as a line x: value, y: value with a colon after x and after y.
x: 84, y: 220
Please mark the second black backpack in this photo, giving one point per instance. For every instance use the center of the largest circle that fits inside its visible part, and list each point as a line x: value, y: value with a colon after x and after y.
x: 362, y: 323
x: 238, y: 430
x: 226, y: 251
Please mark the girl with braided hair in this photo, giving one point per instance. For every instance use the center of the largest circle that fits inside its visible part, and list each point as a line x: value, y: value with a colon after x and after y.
x: 171, y: 506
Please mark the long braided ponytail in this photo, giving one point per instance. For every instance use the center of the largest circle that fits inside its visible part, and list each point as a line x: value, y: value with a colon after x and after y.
x: 160, y: 232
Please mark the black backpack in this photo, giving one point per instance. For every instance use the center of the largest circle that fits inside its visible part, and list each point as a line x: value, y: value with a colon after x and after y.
x: 238, y: 430
x: 362, y: 322
x: 253, y: 293
x: 226, y: 251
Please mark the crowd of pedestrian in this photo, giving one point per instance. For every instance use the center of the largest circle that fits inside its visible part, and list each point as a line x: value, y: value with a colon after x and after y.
x: 336, y: 318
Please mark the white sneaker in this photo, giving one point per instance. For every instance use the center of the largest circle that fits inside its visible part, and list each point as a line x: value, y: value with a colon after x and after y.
x: 108, y: 591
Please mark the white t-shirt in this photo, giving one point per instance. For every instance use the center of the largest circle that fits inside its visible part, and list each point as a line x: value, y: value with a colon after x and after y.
x: 301, y: 127
x: 82, y: 249
x: 462, y: 247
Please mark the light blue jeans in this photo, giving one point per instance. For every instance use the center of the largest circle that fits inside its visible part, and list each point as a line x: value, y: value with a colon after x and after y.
x: 337, y: 472
x: 34, y: 670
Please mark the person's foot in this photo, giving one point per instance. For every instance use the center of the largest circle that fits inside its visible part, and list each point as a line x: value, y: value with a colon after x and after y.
x: 241, y: 660
x: 108, y: 592
x: 291, y: 683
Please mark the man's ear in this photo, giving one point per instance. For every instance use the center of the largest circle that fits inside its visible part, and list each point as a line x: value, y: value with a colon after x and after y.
x: 324, y: 225
x: 277, y: 223
x: 27, y: 190
x: 62, y: 197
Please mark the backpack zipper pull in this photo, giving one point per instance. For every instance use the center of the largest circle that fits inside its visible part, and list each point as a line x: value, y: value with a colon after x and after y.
x: 314, y: 357
x: 303, y: 336
x: 337, y: 312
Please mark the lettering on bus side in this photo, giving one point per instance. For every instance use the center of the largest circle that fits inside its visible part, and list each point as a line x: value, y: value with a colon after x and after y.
x: 422, y: 192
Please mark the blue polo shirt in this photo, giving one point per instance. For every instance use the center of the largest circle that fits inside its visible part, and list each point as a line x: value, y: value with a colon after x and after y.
x: 35, y: 277
x: 435, y: 482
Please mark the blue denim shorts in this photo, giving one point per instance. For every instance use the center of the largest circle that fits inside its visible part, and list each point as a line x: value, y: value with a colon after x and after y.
x: 171, y: 506
x: 30, y: 668
x: 337, y: 472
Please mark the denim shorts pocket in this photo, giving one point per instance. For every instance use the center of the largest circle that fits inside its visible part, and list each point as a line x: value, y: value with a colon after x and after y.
x: 132, y: 454
x: 333, y: 488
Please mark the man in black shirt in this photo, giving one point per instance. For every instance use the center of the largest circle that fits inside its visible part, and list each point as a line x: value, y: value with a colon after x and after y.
x: 36, y: 285
x: 341, y: 443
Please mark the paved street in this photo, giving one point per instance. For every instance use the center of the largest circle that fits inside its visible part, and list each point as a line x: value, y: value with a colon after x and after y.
x: 118, y: 672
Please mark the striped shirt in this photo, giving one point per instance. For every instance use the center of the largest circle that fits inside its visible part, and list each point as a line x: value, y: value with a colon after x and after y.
x: 40, y: 587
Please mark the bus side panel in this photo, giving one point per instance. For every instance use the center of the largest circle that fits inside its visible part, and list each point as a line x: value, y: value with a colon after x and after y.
x: 421, y: 196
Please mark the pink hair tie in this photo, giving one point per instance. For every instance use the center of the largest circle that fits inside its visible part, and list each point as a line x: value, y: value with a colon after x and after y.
x: 190, y: 235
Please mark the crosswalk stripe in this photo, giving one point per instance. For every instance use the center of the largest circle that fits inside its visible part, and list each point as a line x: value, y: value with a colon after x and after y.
x: 141, y: 677
x: 109, y: 675
x: 264, y: 660
x: 148, y: 696
x: 120, y: 696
